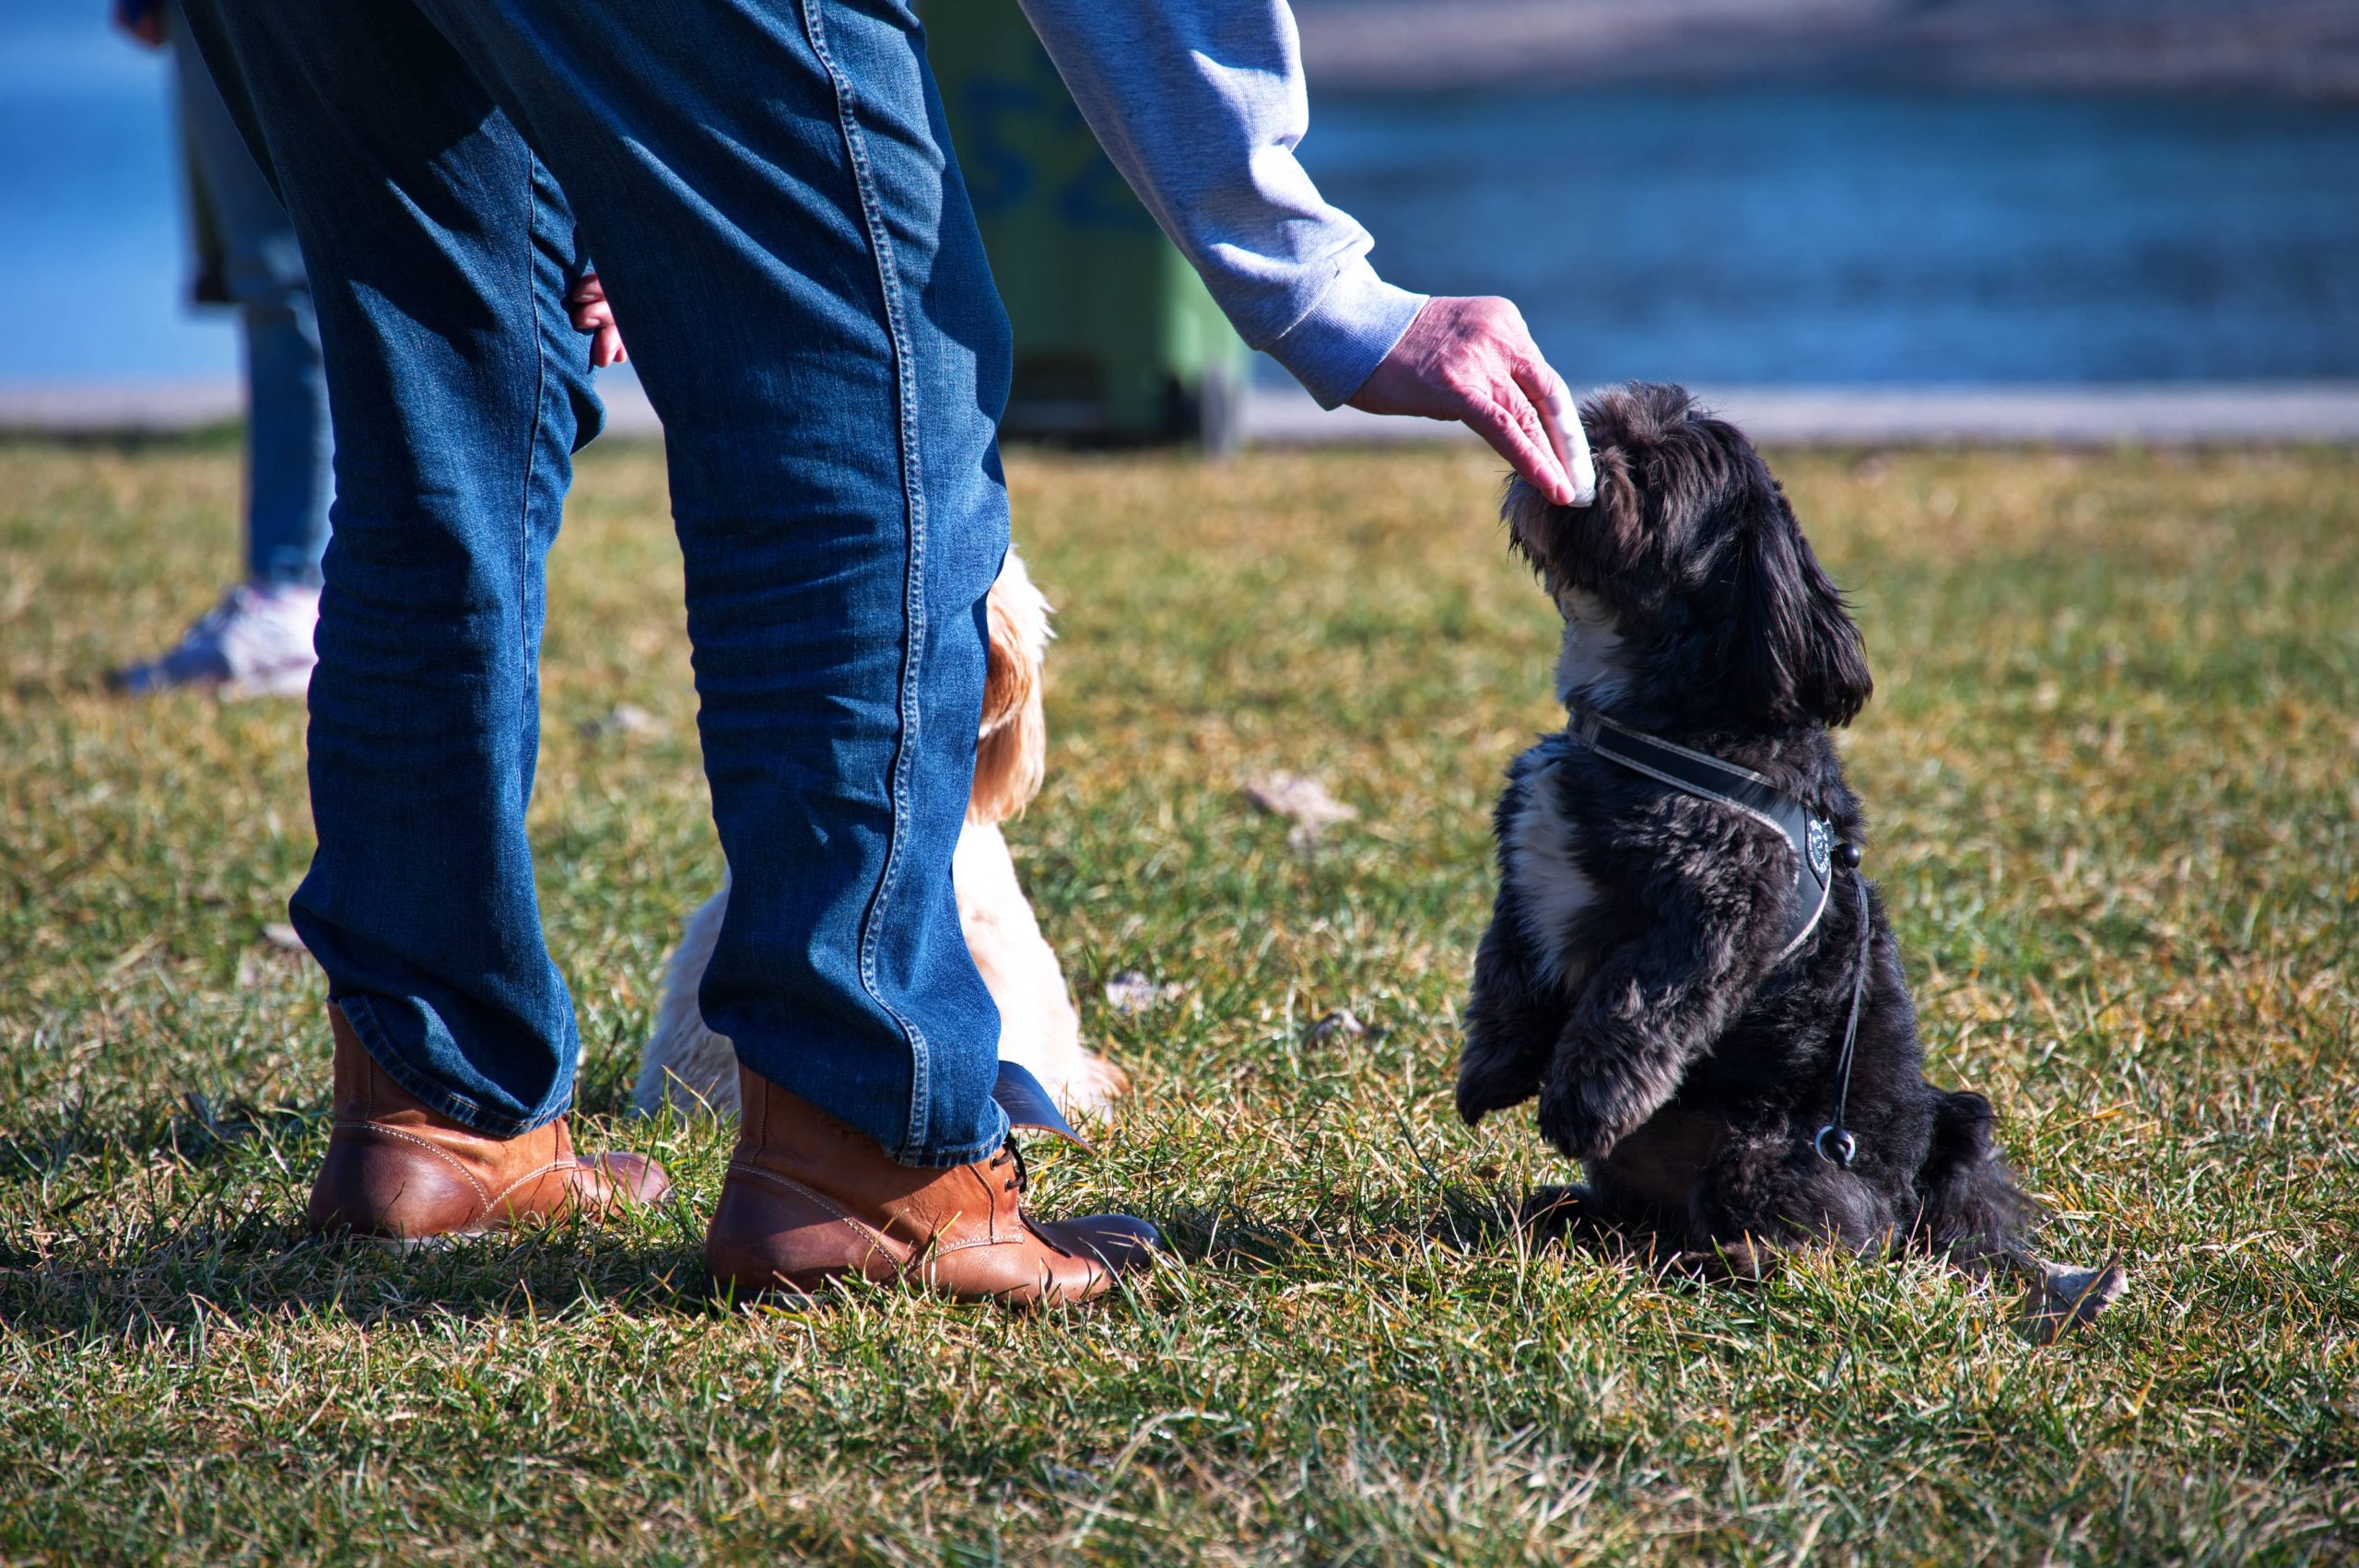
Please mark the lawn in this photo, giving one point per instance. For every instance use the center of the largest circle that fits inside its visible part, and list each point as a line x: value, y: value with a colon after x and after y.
x: 2111, y: 768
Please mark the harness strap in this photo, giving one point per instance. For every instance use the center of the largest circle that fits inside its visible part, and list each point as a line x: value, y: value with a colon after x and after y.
x: 1708, y: 778
x: 1812, y: 839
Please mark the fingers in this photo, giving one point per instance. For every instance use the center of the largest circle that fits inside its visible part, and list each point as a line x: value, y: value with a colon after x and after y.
x: 1566, y: 438
x: 586, y: 305
x: 1515, y: 433
x: 1498, y: 356
x: 605, y: 338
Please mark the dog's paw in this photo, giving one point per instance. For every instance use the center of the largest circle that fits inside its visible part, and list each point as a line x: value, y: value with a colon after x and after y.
x: 1486, y: 1084
x: 1550, y: 1212
x: 1742, y: 1261
x: 1579, y: 1121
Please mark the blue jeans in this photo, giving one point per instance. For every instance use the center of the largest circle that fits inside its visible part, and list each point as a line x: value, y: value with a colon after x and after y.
x: 768, y: 190
x: 288, y: 477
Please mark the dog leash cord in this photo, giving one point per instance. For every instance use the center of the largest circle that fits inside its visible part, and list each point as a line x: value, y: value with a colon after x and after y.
x: 1834, y: 1143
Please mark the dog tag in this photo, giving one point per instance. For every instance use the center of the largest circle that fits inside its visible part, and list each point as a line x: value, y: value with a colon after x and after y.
x: 1027, y: 1105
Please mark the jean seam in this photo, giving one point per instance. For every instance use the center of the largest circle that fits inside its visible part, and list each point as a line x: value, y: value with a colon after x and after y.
x: 528, y: 689
x: 913, y: 580
x: 525, y: 690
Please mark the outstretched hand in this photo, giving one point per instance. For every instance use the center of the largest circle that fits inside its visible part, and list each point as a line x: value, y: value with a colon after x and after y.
x: 586, y: 303
x: 1473, y: 360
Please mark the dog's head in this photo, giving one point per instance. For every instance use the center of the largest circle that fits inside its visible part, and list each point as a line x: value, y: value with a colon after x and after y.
x: 1012, y: 745
x: 1689, y: 579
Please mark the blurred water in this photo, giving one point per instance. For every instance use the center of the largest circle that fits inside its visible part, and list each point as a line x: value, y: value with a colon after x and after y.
x: 1735, y: 237
x: 1829, y: 236
x: 92, y: 247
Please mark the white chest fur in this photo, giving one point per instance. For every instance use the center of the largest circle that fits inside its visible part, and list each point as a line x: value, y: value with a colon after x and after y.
x: 1549, y: 889
x: 1590, y: 662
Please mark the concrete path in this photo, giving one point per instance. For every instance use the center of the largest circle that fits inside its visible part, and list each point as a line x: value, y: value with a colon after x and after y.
x: 2196, y: 413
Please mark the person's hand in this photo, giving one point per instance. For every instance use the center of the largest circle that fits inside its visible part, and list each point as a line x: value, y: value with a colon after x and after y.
x: 586, y: 303
x: 143, y: 22
x: 1473, y: 360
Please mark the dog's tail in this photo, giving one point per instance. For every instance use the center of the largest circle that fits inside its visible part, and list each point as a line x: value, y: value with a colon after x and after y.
x: 1968, y: 1205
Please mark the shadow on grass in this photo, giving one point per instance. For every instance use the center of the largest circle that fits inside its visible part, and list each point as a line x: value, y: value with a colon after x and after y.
x: 134, y: 1289
x: 192, y: 1131
x: 130, y: 1220
x: 115, y: 1278
x: 1463, y: 1219
x: 134, y: 1222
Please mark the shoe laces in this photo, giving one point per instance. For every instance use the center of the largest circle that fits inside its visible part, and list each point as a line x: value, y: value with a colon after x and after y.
x: 1012, y: 1152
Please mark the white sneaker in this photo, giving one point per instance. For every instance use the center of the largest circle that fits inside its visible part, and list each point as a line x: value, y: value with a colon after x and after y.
x: 257, y: 642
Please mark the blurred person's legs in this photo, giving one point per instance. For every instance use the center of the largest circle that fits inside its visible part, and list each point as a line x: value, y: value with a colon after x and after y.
x: 804, y: 293
x: 258, y: 640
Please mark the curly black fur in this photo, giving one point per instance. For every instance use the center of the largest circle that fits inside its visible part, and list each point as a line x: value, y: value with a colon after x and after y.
x: 1626, y: 978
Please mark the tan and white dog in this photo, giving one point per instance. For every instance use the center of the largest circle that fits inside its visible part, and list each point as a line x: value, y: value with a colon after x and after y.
x: 695, y: 1070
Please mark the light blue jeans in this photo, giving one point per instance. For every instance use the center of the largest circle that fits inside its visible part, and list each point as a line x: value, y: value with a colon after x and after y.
x: 288, y: 478
x: 769, y: 193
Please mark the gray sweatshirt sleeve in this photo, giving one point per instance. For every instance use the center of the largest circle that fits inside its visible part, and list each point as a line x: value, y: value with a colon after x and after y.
x: 1200, y: 104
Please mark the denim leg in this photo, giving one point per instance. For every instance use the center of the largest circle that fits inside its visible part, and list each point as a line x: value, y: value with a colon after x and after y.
x: 288, y: 478
x: 437, y: 244
x: 769, y: 189
x: 289, y: 454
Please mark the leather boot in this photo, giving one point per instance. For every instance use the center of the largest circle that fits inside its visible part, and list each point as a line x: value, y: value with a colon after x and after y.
x: 808, y: 1200
x: 399, y: 1171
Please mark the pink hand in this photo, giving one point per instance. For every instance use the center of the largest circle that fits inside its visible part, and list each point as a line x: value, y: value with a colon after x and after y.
x: 1473, y: 360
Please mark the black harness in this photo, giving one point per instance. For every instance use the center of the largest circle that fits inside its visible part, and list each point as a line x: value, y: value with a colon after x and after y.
x: 1810, y: 837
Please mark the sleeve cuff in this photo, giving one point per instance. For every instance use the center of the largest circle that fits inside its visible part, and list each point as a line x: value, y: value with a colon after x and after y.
x: 1344, y: 336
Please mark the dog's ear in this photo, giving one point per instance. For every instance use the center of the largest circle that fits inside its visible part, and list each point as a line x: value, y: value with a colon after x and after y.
x: 1794, y: 650
x: 1011, y: 743
x: 1534, y: 525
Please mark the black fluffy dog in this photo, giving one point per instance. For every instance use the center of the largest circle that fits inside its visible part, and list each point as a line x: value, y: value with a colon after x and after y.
x: 1672, y: 969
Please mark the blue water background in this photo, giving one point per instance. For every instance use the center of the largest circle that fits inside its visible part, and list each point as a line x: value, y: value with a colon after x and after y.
x: 1846, y: 236
x: 1759, y: 235
x: 92, y: 245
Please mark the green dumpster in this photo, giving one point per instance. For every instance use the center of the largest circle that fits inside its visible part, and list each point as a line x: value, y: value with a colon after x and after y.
x: 1116, y: 337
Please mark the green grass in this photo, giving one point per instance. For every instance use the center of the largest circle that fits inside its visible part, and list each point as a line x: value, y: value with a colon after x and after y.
x: 2111, y: 763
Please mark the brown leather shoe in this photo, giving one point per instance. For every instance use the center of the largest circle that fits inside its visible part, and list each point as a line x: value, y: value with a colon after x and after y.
x: 397, y: 1171
x: 808, y: 1200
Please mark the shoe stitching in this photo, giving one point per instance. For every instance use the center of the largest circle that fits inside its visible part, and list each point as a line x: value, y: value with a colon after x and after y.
x: 554, y: 1165
x: 941, y: 1247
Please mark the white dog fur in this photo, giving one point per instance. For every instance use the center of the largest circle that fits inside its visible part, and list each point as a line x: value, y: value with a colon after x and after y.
x: 695, y: 1070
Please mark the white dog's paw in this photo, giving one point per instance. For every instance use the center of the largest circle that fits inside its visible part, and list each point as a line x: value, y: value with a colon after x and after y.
x: 1094, y: 1086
